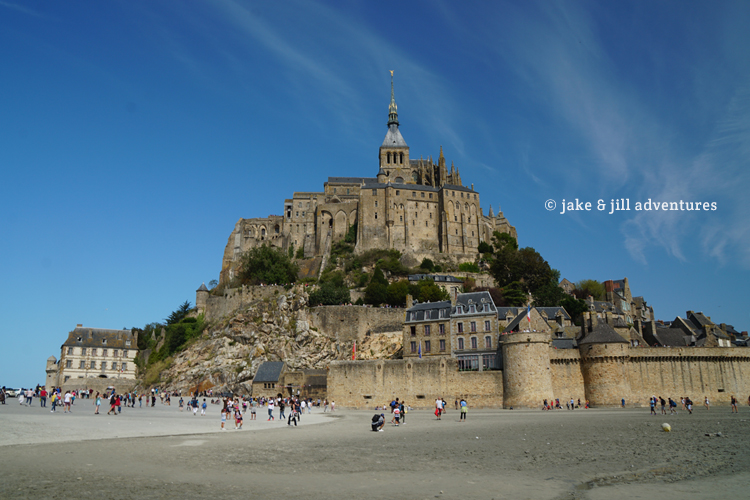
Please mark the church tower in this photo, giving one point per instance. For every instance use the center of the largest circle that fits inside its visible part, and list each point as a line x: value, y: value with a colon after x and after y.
x: 394, y: 153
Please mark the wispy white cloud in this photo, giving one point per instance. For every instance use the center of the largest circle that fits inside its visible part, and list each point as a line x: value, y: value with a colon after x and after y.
x: 20, y: 8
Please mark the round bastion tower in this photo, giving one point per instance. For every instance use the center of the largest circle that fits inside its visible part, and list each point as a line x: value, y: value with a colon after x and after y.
x: 527, y: 380
x: 604, y: 364
x: 201, y: 297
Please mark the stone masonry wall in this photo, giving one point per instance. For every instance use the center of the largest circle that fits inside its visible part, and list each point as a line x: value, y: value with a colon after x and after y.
x: 567, y: 380
x: 354, y: 322
x: 219, y: 306
x: 367, y: 384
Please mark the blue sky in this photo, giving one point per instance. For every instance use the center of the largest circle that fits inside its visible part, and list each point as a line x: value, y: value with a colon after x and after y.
x: 133, y: 135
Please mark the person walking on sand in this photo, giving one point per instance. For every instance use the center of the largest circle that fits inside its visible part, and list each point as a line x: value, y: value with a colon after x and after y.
x: 706, y: 403
x: 672, y: 407
x: 223, y: 417
x: 403, y: 412
x: 270, y: 409
x: 67, y: 401
x: 325, y: 404
x: 733, y: 402
x: 663, y: 405
x: 689, y: 405
x: 652, y: 404
x: 97, y: 403
x: 333, y: 405
x: 464, y: 409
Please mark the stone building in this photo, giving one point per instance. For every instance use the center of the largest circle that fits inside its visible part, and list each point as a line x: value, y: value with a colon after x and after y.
x: 696, y: 330
x: 94, y: 353
x: 449, y: 284
x: 415, y: 205
x: 467, y: 331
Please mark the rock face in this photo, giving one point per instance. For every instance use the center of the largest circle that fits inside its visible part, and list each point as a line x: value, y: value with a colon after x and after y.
x: 227, y: 355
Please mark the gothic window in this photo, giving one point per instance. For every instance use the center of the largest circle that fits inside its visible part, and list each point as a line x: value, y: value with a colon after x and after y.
x: 263, y: 231
x: 415, y: 178
x: 458, y: 206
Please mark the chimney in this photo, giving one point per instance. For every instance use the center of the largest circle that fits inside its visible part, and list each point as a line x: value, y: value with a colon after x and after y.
x: 79, y: 325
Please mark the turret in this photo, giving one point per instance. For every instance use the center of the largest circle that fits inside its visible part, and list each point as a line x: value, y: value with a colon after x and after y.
x: 527, y: 380
x: 201, y: 298
x: 604, y: 363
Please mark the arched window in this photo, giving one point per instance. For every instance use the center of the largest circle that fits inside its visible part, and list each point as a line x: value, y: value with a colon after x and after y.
x: 415, y: 177
x: 388, y: 156
x: 401, y: 158
x: 458, y: 206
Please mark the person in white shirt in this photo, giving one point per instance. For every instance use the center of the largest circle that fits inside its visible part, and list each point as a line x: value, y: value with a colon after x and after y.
x: 270, y: 409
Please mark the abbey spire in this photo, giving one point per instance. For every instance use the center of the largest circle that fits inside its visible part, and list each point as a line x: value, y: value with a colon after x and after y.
x: 392, y: 108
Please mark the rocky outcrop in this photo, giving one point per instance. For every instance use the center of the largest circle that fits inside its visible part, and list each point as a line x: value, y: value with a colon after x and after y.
x: 277, y: 328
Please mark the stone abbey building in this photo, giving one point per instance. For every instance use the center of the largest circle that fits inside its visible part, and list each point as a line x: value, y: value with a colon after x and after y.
x: 415, y: 205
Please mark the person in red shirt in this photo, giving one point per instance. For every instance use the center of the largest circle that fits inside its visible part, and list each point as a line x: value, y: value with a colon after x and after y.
x: 43, y: 397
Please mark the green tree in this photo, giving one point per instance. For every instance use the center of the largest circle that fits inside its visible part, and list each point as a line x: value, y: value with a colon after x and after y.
x: 513, y: 295
x: 584, y: 288
x: 396, y: 293
x: 575, y: 307
x: 179, y: 313
x: 330, y: 294
x: 468, y: 267
x: 427, y: 265
x: 430, y: 292
x: 376, y: 291
x: 267, y: 265
x: 484, y: 248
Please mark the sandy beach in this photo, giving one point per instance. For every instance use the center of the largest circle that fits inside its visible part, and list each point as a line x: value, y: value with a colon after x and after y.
x: 161, y: 452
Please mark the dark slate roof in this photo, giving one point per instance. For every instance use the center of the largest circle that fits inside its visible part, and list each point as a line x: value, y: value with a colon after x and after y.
x: 564, y: 343
x: 393, y: 138
x: 602, y: 333
x: 515, y: 322
x: 672, y: 337
x: 453, y: 187
x: 602, y: 306
x: 269, y: 371
x: 475, y: 298
x: 503, y: 311
x: 93, y: 337
x: 699, y: 319
x: 552, y: 311
x: 202, y: 288
x: 429, y: 311
x: 741, y: 343
x: 374, y: 184
x: 351, y: 180
x: 731, y: 330
x: 437, y: 278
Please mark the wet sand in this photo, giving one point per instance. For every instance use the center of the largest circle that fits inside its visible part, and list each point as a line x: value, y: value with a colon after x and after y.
x: 162, y: 453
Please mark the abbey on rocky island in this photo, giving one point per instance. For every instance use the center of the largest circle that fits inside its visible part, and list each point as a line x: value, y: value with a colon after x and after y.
x: 416, y: 206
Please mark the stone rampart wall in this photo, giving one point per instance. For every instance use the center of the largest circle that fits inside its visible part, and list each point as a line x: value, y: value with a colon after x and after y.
x: 567, y: 379
x: 219, y: 306
x: 715, y: 372
x: 99, y: 384
x: 367, y: 384
x: 351, y: 323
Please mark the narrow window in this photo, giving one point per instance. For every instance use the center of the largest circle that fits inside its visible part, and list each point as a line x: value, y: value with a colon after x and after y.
x: 487, y: 326
x: 124, y: 366
x: 82, y: 364
x: 114, y: 366
x: 414, y: 194
x: 472, y: 308
x: 376, y: 203
x: 83, y: 351
x: 104, y: 365
x: 425, y: 224
x: 69, y: 364
x: 93, y: 351
x: 413, y: 347
x: 92, y: 365
x: 441, y: 329
x: 460, y: 328
x: 376, y: 215
x: 426, y: 346
x: 426, y: 329
x: 473, y: 342
x: 398, y: 192
x: 422, y: 195
x: 488, y: 342
x: 401, y: 218
x: 460, y: 344
x: 430, y: 195
x: 413, y: 330
x: 401, y: 158
x: 70, y: 350
x: 442, y: 345
x: 388, y: 157
x: 104, y: 353
x: 473, y: 326
x: 124, y: 354
x: 374, y: 192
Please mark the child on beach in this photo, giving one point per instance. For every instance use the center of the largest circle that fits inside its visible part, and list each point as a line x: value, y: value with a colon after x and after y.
x: 203, y: 408
x: 223, y: 418
x: 238, y: 418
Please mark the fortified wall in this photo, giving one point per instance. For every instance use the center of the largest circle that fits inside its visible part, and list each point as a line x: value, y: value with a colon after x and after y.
x: 602, y: 373
x: 419, y: 382
x: 219, y: 306
x: 356, y: 322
